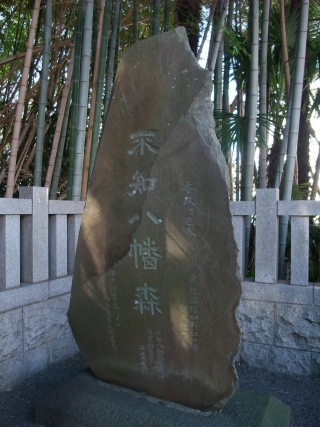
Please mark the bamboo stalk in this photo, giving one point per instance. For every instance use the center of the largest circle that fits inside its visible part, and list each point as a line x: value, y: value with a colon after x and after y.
x: 218, y: 36
x: 59, y: 123
x: 86, y: 161
x: 58, y: 161
x: 43, y: 96
x: 22, y: 94
x: 156, y: 17
x: 75, y: 97
x: 294, y: 125
x: 212, y: 9
x: 285, y: 56
x: 111, y: 55
x: 83, y: 101
x: 98, y: 106
x: 263, y: 92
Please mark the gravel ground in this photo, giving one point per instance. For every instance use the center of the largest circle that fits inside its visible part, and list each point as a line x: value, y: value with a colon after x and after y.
x: 301, y: 393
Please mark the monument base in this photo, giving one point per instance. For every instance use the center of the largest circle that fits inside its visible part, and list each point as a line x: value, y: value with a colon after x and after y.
x: 84, y: 401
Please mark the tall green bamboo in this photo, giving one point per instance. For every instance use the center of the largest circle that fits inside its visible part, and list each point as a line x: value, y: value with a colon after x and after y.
x: 218, y: 68
x: 43, y: 95
x: 167, y: 10
x: 218, y: 35
x: 112, y: 50
x: 83, y: 100
x: 135, y: 21
x: 156, y: 17
x: 301, y: 44
x: 252, y: 116
x: 75, y: 98
x: 263, y: 93
x: 86, y: 161
x: 101, y: 74
x: 20, y: 103
x: 57, y: 165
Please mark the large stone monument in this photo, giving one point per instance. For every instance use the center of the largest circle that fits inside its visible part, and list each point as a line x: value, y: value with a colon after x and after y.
x: 155, y: 284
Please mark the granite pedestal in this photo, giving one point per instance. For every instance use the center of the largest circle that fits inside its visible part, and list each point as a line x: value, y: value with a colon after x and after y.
x: 84, y: 401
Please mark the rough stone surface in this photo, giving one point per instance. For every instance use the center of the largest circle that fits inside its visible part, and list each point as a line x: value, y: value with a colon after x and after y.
x: 276, y: 359
x: 62, y: 347
x: 256, y: 321
x: 45, y: 321
x: 11, y: 336
x: 297, y: 327
x: 84, y: 401
x: 155, y: 287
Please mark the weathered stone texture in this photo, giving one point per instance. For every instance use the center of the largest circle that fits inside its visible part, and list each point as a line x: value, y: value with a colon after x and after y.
x: 62, y: 347
x: 155, y: 283
x: 315, y: 364
x: 297, y: 327
x: 11, y: 336
x: 256, y: 321
x: 276, y: 359
x: 22, y: 366
x: 45, y: 321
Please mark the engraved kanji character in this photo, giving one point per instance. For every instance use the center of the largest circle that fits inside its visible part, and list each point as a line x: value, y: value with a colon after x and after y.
x: 135, y: 250
x: 188, y: 201
x: 150, y: 301
x: 143, y: 139
x: 189, y: 232
x: 193, y: 290
x: 194, y: 278
x: 188, y: 188
x: 150, y: 254
x: 142, y: 184
x: 189, y: 222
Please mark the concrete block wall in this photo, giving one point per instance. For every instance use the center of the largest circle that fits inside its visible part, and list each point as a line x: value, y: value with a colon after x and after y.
x: 279, y: 321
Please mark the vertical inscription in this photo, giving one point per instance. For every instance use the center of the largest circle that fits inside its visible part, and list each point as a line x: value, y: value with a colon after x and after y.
x: 190, y: 206
x: 194, y: 309
x: 113, y: 310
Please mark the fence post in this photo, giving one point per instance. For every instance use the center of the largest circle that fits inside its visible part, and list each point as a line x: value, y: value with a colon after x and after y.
x: 9, y: 251
x: 74, y: 222
x: 267, y: 235
x: 299, y: 250
x: 58, y: 254
x: 239, y: 234
x: 34, y: 236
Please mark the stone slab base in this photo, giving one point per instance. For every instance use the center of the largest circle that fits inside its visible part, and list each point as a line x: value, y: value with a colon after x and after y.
x: 85, y: 401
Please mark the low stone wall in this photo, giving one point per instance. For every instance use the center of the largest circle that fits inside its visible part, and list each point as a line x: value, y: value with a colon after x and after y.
x: 279, y: 321
x: 34, y: 330
x: 280, y: 327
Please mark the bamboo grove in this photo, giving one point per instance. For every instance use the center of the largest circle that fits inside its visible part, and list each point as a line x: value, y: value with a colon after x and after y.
x: 59, y: 58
